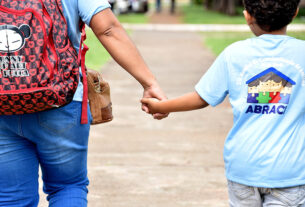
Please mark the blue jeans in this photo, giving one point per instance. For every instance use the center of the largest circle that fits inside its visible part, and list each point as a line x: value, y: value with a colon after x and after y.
x: 247, y: 196
x: 57, y: 142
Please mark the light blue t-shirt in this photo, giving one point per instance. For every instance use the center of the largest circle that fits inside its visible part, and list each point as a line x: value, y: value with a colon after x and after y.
x: 265, y: 80
x: 74, y: 10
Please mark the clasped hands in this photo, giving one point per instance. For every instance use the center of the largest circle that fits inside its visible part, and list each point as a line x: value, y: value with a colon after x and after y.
x: 151, y: 96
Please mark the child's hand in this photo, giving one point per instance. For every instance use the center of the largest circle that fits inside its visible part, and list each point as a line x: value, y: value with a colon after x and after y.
x: 152, y: 104
x: 154, y: 91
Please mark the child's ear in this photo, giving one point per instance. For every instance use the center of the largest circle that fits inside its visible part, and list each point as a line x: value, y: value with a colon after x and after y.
x: 296, y: 13
x: 250, y: 20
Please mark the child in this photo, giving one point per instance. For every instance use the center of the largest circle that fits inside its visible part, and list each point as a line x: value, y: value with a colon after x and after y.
x: 264, y: 76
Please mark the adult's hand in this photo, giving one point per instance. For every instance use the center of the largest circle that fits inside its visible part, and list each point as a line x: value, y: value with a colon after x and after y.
x: 154, y: 91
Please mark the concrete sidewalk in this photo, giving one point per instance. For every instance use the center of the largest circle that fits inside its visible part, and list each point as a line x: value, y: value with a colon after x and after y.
x: 201, y: 27
x: 136, y: 161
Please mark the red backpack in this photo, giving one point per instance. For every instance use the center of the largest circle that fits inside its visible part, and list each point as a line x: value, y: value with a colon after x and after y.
x: 39, y: 67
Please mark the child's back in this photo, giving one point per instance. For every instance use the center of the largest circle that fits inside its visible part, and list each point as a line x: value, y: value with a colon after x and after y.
x: 265, y: 79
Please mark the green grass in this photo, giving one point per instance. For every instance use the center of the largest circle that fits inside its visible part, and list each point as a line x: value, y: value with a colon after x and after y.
x: 197, y: 14
x: 133, y: 18
x: 97, y: 54
x: 218, y: 41
x: 298, y: 35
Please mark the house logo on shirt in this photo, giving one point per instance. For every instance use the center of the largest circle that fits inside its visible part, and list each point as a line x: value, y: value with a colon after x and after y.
x: 269, y: 92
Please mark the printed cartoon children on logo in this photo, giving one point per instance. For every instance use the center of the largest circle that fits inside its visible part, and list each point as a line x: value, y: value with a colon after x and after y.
x: 12, y: 39
x: 269, y: 87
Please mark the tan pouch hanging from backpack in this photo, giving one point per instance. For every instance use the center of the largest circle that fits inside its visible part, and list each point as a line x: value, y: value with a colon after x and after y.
x: 99, y: 98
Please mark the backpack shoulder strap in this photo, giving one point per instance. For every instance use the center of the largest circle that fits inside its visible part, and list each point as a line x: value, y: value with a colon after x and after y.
x: 83, y: 48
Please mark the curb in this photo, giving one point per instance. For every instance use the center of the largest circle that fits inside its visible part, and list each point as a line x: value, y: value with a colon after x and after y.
x: 200, y: 27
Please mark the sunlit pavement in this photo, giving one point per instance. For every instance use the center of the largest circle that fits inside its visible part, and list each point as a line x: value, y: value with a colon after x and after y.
x: 136, y: 161
x: 201, y: 27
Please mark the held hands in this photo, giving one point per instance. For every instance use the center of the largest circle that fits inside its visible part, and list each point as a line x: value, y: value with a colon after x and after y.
x: 152, y: 95
x: 152, y: 105
x: 186, y: 102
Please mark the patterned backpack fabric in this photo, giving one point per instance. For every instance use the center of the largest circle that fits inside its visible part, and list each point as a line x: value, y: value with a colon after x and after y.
x: 39, y: 67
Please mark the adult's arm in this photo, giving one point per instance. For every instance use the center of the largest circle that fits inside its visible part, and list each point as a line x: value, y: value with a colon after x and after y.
x: 114, y: 38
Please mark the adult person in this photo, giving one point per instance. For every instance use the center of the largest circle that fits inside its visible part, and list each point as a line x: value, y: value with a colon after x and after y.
x: 158, y: 6
x: 55, y: 139
x: 173, y: 6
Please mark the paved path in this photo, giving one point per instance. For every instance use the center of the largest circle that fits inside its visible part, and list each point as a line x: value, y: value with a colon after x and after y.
x: 165, y: 21
x: 165, y: 17
x: 136, y: 161
x: 201, y: 27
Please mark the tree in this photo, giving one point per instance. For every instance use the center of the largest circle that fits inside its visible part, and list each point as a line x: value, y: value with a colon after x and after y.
x: 208, y: 4
x: 231, y: 7
x: 223, y: 6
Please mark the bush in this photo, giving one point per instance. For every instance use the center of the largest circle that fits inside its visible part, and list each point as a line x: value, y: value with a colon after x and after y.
x: 198, y: 2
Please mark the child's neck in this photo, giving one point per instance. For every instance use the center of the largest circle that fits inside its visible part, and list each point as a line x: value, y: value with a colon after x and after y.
x: 278, y: 32
x: 260, y: 32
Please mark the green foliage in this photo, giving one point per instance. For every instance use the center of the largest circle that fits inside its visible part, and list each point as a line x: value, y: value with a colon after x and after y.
x: 97, y: 54
x: 198, y: 2
x: 239, y: 11
x: 218, y: 41
x: 133, y: 18
x: 197, y: 14
x: 301, y: 12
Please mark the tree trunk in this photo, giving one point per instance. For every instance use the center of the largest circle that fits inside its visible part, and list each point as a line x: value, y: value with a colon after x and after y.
x: 216, y: 5
x: 231, y: 7
x: 208, y: 4
x: 223, y: 6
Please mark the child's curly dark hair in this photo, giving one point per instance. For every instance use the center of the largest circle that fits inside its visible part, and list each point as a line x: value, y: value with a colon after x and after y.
x: 272, y: 15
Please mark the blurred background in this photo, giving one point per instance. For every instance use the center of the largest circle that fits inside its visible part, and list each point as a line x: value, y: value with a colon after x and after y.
x: 186, y: 12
